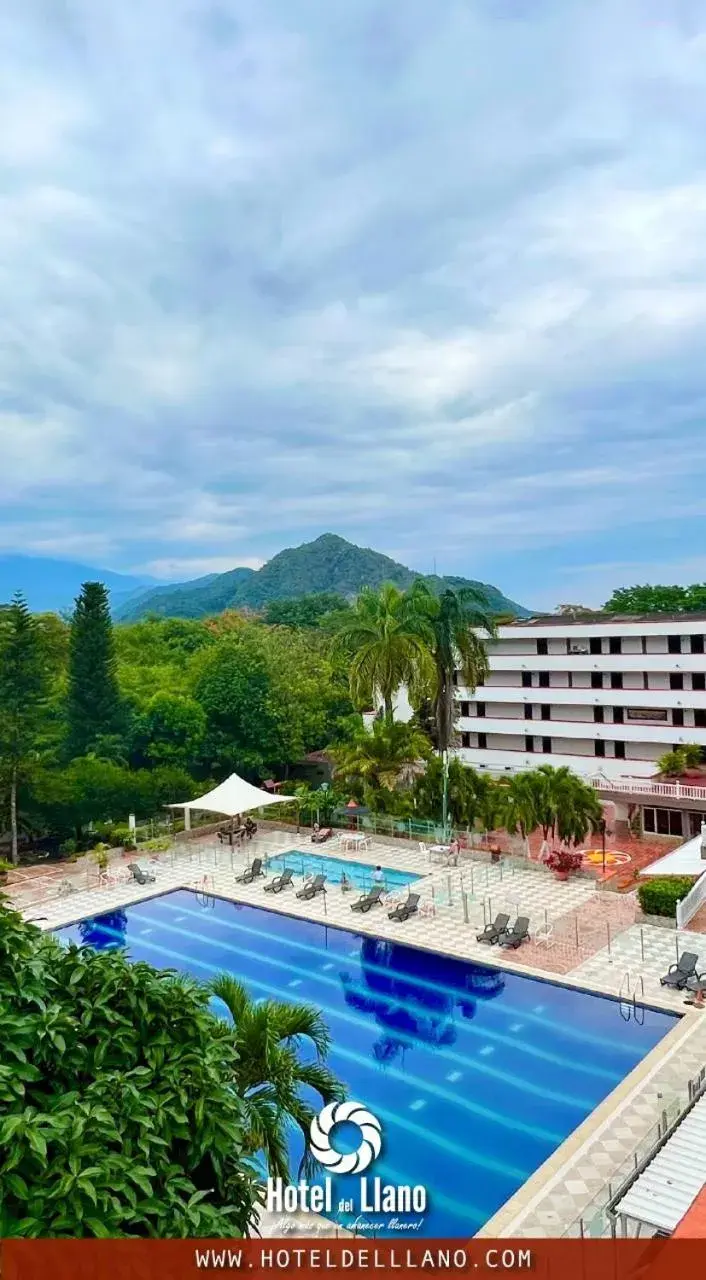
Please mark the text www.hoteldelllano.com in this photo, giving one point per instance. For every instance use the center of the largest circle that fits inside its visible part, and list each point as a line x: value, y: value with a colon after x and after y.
x: 365, y: 1258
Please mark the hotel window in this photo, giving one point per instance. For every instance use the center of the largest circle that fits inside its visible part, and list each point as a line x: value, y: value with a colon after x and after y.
x: 465, y: 739
x: 455, y: 679
x: 678, y: 718
x: 542, y: 648
x: 526, y: 679
x: 544, y: 679
x: 547, y: 746
x: 700, y: 719
x: 676, y: 681
x: 480, y: 710
x: 594, y: 645
x: 698, y: 682
x: 465, y: 709
x: 482, y: 742
x: 596, y: 679
x: 599, y: 748
x: 645, y: 680
x: 546, y: 711
x: 615, y: 645
x: 616, y: 679
x: 619, y: 750
x: 529, y: 744
x: 697, y: 644
x: 529, y: 711
x: 598, y: 715
x: 673, y: 644
x: 618, y: 715
x: 662, y: 822
x: 644, y: 644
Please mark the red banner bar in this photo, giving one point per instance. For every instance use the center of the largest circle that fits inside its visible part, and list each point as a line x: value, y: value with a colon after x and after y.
x: 306, y: 1259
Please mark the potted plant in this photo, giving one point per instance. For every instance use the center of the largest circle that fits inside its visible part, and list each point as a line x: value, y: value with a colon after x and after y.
x: 100, y: 857
x: 563, y: 861
x: 5, y: 868
x: 495, y: 853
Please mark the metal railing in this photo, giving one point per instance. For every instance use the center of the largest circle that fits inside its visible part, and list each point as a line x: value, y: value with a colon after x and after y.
x: 647, y: 787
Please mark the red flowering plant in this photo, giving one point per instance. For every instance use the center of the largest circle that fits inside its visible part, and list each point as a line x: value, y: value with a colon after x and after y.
x: 564, y: 860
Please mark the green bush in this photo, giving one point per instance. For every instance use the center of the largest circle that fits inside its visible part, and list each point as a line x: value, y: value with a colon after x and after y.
x: 659, y: 897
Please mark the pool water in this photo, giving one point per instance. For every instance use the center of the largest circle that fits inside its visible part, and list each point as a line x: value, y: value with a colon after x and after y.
x: 361, y: 873
x: 476, y: 1075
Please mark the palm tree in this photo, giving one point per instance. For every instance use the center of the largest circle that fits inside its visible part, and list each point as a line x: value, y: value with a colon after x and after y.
x: 520, y: 804
x: 385, y: 647
x: 270, y: 1073
x: 449, y: 625
x: 567, y: 807
x: 386, y: 756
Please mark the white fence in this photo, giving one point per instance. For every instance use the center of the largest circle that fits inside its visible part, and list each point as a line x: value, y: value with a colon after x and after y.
x: 687, y: 908
x: 646, y: 787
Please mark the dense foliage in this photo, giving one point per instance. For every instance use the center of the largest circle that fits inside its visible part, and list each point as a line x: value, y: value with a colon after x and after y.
x: 659, y: 895
x: 98, y: 721
x: 658, y: 599
x: 675, y: 763
x: 118, y: 1114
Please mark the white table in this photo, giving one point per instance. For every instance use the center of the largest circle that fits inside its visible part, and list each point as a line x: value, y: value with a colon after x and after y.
x: 356, y: 840
x: 442, y: 849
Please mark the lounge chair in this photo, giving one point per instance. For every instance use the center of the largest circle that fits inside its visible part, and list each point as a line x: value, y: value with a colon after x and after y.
x: 370, y: 899
x: 493, y: 931
x: 139, y: 874
x: 280, y: 882
x: 678, y: 974
x: 318, y: 837
x: 315, y: 886
x: 252, y: 873
x: 405, y: 909
x: 518, y: 934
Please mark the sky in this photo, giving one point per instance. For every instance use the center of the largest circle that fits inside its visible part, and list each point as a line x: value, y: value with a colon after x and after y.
x: 431, y: 276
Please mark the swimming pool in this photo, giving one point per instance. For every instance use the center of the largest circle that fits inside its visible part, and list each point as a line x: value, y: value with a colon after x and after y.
x: 361, y: 873
x: 476, y: 1075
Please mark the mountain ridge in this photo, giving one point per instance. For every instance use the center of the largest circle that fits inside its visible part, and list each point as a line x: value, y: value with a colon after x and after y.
x: 50, y: 585
x: 327, y: 564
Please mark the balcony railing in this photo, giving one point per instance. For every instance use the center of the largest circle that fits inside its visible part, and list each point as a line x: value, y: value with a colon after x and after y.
x: 647, y: 787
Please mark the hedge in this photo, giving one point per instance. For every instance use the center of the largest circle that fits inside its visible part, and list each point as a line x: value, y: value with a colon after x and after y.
x: 659, y: 897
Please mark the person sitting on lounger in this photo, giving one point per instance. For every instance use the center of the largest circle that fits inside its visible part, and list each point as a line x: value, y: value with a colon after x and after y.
x: 319, y: 834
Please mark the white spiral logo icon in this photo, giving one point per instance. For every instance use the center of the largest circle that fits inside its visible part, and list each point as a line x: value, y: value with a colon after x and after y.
x: 370, y: 1144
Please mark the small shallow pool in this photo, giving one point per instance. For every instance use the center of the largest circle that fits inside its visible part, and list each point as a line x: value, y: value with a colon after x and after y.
x: 314, y: 864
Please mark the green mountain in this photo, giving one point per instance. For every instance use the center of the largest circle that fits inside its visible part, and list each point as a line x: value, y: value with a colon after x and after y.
x: 328, y: 564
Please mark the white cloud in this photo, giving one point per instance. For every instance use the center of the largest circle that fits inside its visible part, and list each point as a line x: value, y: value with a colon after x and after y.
x: 424, y: 277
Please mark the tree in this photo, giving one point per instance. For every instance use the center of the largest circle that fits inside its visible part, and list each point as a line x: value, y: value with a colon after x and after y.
x: 305, y: 612
x: 448, y: 625
x: 675, y: 763
x: 382, y: 638
x: 659, y: 599
x: 270, y: 1075
x: 170, y: 730
x: 23, y: 693
x: 567, y: 807
x: 94, y: 708
x: 118, y: 1115
x: 384, y: 757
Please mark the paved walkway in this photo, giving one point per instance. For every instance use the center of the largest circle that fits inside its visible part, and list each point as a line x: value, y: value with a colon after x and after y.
x: 590, y: 937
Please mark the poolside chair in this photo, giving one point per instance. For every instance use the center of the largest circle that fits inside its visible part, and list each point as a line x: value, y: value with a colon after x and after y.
x: 370, y: 899
x: 405, y: 909
x: 518, y: 934
x: 280, y: 882
x: 252, y: 873
x: 493, y: 931
x: 139, y: 874
x: 315, y: 886
x: 678, y: 974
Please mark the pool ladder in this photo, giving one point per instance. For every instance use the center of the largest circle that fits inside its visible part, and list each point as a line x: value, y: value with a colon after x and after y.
x: 628, y: 1003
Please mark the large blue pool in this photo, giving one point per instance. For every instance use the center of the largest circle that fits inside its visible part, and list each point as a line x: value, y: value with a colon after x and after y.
x: 361, y: 873
x: 475, y: 1075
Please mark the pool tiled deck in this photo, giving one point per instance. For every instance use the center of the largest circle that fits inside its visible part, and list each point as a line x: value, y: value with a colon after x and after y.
x: 590, y: 939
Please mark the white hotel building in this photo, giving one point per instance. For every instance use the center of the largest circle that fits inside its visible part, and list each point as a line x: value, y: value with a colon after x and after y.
x: 606, y: 696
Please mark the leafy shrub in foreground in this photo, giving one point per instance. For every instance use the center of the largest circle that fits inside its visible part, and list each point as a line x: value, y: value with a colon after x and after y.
x: 659, y: 896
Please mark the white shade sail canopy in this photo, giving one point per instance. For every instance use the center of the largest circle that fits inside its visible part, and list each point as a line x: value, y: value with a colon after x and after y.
x: 232, y: 797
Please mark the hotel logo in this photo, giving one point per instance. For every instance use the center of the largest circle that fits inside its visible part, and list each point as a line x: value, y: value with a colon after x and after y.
x: 370, y: 1137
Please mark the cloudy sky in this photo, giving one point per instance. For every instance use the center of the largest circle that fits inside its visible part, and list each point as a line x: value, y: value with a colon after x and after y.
x: 430, y: 275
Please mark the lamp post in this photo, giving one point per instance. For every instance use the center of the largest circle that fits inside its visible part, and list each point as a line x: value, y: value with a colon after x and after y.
x: 445, y: 792
x: 601, y: 828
